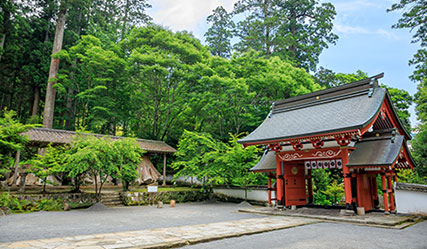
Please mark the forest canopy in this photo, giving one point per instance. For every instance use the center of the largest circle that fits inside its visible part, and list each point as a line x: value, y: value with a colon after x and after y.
x: 105, y: 67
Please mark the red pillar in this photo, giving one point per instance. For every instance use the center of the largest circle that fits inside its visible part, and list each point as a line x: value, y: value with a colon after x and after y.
x: 310, y: 186
x: 347, y: 180
x: 269, y: 188
x: 279, y: 184
x: 375, y: 191
x: 386, y: 210
x: 390, y: 191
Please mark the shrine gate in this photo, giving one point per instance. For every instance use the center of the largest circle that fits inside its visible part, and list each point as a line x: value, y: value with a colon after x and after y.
x: 353, y: 128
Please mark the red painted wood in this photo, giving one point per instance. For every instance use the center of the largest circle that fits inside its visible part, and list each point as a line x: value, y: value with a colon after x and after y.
x: 279, y: 183
x: 347, y: 180
x: 364, y: 192
x: 269, y: 188
x: 324, y: 153
x: 384, y: 186
x: 295, y: 191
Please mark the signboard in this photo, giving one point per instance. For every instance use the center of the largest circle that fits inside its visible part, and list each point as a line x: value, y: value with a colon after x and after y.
x: 151, y: 189
x: 324, y: 164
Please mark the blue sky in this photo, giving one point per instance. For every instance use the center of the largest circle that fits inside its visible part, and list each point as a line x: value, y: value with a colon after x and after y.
x: 366, y: 39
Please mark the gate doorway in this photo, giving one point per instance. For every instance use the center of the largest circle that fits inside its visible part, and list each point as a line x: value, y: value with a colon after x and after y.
x: 295, y: 189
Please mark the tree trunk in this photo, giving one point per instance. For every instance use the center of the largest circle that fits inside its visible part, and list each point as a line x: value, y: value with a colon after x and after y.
x: 6, y: 18
x: 267, y: 28
x: 36, y: 102
x: 15, y: 174
x: 54, y: 67
x: 125, y: 19
x: 3, y: 39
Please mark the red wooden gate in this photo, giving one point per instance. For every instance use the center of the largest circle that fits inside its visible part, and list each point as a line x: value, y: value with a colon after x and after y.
x: 295, y: 190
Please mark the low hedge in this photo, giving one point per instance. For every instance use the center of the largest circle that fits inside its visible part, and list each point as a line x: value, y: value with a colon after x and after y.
x: 146, y: 198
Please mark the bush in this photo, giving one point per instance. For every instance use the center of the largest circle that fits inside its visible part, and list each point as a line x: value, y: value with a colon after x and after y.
x: 17, y: 205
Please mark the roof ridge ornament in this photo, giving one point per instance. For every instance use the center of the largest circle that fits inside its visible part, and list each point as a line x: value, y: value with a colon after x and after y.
x: 373, y: 84
x: 271, y: 109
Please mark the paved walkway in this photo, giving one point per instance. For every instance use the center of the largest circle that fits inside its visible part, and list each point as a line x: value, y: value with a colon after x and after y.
x: 166, y: 237
x: 371, y: 218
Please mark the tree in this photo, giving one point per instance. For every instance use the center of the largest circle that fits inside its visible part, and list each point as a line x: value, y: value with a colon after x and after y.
x: 191, y: 160
x: 219, y: 34
x: 233, y: 96
x: 328, y: 78
x: 104, y: 96
x: 215, y: 162
x: 130, y: 155
x: 11, y: 139
x: 419, y: 151
x: 54, y: 66
x: 239, y: 161
x: 296, y: 30
x: 101, y: 158
x: 414, y: 17
x: 47, y: 164
x: 158, y: 68
x: 401, y: 100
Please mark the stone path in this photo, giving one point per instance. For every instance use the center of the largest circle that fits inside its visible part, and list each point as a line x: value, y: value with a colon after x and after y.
x: 372, y: 218
x: 166, y: 237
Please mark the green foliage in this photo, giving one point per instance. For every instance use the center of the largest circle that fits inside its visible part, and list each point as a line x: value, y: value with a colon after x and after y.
x: 129, y: 156
x: 414, y: 15
x: 20, y: 205
x: 328, y: 188
x: 410, y: 176
x: 10, y: 139
x: 328, y: 78
x: 101, y: 158
x: 219, y: 34
x: 214, y: 162
x: 419, y: 151
x: 402, y: 100
x: 334, y: 192
x: 295, y: 30
x: 48, y: 163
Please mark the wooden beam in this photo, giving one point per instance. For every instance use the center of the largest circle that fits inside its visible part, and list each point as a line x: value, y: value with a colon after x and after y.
x: 164, y: 169
x: 15, y: 174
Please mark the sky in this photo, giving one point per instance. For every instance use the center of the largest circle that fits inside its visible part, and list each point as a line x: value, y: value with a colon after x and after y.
x: 366, y: 39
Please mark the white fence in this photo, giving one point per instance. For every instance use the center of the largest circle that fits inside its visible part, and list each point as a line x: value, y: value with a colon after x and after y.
x: 411, y: 198
x: 253, y: 194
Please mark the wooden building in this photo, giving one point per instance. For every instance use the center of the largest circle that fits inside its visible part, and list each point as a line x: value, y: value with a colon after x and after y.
x: 41, y: 137
x: 353, y: 128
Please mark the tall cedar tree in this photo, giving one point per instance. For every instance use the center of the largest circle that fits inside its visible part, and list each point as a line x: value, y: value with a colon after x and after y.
x: 219, y: 34
x: 295, y: 30
x: 49, y: 105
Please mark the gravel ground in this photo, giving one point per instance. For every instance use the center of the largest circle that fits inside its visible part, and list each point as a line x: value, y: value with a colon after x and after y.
x: 328, y: 235
x: 38, y: 225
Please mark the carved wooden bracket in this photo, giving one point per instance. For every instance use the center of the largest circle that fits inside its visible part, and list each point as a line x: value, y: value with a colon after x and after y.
x: 343, y: 140
x: 275, y: 147
x: 317, y: 143
x: 297, y: 145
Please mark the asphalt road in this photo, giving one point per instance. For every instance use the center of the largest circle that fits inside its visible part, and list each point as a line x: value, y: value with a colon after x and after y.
x: 328, y: 235
x: 38, y: 225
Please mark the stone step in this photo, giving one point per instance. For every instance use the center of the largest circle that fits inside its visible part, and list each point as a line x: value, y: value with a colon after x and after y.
x: 111, y: 194
x: 110, y: 198
x: 109, y: 204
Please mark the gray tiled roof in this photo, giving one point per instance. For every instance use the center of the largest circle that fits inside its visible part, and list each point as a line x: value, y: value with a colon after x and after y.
x: 411, y: 187
x: 266, y: 163
x: 333, y: 110
x: 45, y: 135
x: 376, y: 151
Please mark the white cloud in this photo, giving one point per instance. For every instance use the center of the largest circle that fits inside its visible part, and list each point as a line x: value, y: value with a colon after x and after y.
x: 185, y: 14
x: 358, y: 5
x: 355, y: 30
